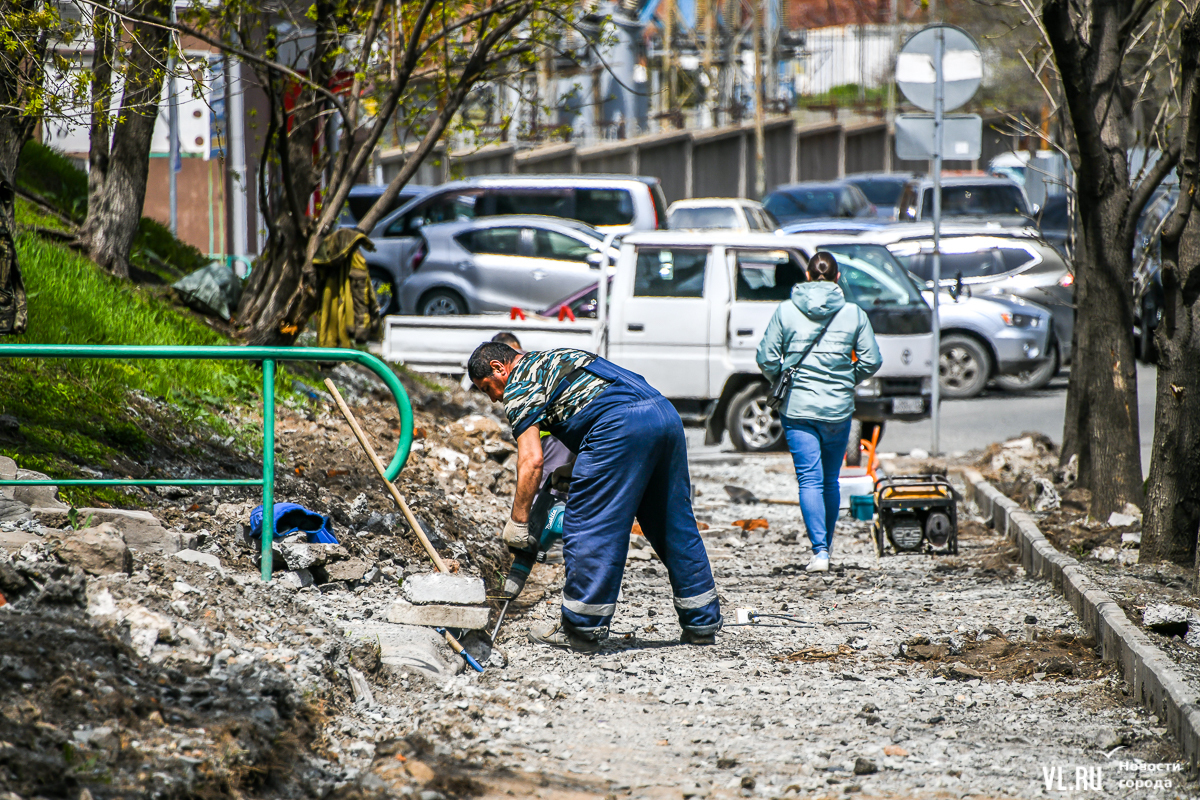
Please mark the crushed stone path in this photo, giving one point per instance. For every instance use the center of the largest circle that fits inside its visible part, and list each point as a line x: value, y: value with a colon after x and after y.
x: 970, y: 681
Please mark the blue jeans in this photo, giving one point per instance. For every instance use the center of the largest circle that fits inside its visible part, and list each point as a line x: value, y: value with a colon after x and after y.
x: 818, y: 449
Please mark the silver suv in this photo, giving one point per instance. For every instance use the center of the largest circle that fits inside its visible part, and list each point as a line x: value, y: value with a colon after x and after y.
x: 992, y: 262
x: 605, y: 202
x: 974, y: 197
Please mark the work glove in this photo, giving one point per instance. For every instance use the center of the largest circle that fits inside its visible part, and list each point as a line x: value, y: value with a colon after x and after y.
x: 560, y: 479
x: 516, y: 534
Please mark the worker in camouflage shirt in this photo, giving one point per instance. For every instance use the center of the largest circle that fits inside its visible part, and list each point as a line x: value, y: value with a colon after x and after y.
x: 631, y: 464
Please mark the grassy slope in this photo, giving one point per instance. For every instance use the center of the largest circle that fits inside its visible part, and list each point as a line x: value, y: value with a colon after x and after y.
x: 73, y: 413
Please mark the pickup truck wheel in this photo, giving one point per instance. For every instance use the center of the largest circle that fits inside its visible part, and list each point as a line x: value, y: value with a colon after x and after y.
x: 965, y: 366
x: 384, y: 286
x: 753, y: 427
x: 853, y: 448
x: 442, y: 303
x: 1033, y: 379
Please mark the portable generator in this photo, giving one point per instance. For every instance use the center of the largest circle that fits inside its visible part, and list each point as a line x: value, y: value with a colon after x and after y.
x: 915, y: 513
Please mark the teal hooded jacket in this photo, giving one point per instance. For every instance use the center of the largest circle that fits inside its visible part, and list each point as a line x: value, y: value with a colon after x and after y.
x: 823, y: 386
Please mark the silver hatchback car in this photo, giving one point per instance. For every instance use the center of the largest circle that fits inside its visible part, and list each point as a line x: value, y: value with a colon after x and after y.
x: 493, y: 264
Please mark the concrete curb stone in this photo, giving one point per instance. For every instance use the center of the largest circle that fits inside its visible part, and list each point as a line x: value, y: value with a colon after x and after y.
x: 1150, y: 675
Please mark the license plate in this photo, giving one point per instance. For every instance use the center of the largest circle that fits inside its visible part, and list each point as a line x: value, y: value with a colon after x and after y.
x: 908, y: 405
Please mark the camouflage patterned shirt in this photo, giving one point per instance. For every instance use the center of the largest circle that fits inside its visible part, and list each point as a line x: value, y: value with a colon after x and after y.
x: 530, y: 384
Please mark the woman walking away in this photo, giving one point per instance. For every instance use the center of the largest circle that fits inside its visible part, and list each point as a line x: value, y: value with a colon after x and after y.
x: 829, y: 346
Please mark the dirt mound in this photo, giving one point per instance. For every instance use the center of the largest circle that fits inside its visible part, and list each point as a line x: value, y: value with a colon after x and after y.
x: 990, y: 655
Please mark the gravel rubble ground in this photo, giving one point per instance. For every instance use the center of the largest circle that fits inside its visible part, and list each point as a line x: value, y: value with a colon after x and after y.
x: 1026, y: 470
x: 906, y: 676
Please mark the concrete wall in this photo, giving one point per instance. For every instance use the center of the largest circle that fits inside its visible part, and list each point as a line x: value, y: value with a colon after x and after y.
x: 716, y: 162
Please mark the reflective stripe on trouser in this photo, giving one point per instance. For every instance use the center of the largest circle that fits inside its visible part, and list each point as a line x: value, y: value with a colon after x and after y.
x: 633, y: 462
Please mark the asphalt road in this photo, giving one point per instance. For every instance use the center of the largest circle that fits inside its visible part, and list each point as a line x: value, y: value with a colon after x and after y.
x: 995, y: 416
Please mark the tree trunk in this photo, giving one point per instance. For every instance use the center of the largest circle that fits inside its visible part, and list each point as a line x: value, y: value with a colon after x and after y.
x: 1172, y: 516
x: 1102, y: 411
x: 1101, y: 427
x: 281, y: 293
x: 116, y: 196
x: 21, y: 78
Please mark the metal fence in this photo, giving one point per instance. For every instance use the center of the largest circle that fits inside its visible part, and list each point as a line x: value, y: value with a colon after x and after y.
x: 267, y: 356
x: 715, y: 162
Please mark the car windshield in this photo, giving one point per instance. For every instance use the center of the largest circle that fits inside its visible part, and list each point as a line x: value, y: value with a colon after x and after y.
x: 803, y: 203
x: 703, y: 217
x: 881, y: 192
x: 871, y: 276
x: 977, y: 201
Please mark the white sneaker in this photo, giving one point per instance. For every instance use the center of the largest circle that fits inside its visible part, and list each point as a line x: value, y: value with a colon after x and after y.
x: 820, y: 563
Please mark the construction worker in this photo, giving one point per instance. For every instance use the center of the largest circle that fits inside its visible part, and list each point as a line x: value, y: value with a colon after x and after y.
x: 631, y: 463
x: 556, y: 469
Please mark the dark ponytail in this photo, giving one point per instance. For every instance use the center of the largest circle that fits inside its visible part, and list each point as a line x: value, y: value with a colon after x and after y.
x: 822, y: 267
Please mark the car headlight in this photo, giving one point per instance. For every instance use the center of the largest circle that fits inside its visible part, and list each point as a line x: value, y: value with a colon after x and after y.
x: 927, y: 385
x: 868, y: 388
x: 1020, y: 320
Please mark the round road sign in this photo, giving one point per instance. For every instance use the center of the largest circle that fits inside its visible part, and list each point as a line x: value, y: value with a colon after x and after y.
x: 962, y: 67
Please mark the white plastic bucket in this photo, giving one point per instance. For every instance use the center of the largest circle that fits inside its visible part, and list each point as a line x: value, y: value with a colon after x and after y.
x: 854, y: 480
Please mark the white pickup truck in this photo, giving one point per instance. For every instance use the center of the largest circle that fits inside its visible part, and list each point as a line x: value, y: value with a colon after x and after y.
x: 687, y: 310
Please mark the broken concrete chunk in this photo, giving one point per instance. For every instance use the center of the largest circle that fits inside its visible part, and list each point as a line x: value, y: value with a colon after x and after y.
x: 296, y: 579
x: 196, y: 557
x: 1166, y: 618
x: 415, y: 650
x: 1118, y: 520
x: 403, y: 612
x: 38, y: 497
x: 1192, y: 639
x: 13, y: 510
x: 351, y: 570
x: 142, y: 530
x: 97, y: 551
x: 298, y: 555
x: 8, y: 472
x: 439, y: 587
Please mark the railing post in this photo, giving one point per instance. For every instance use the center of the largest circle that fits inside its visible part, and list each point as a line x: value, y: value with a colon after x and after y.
x: 268, y: 481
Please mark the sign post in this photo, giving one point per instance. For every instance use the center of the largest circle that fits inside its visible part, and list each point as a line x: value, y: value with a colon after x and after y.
x: 940, y: 67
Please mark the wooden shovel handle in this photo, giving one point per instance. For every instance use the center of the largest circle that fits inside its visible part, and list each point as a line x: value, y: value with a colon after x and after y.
x: 370, y: 451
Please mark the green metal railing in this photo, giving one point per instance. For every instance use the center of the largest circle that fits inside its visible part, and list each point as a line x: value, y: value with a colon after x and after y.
x: 268, y: 356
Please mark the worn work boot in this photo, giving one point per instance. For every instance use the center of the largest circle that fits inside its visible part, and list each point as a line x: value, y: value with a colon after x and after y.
x: 819, y: 563
x: 555, y: 635
x: 687, y: 637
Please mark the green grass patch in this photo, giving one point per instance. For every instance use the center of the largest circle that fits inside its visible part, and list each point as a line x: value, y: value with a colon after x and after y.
x: 846, y: 94
x: 48, y: 174
x: 77, y: 412
x: 52, y: 177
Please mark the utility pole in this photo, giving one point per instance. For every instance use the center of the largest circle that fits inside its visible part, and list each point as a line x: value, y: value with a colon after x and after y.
x: 710, y: 35
x: 760, y: 177
x: 890, y: 116
x: 939, y: 130
x: 668, y: 87
x: 173, y: 131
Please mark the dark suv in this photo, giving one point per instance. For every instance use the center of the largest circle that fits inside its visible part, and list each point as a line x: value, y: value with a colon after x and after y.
x: 804, y: 202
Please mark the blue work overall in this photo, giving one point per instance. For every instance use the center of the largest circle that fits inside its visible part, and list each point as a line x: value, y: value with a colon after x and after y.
x: 632, y: 462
